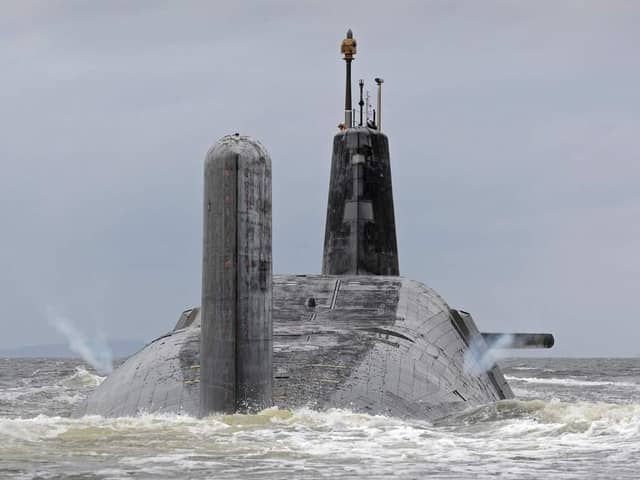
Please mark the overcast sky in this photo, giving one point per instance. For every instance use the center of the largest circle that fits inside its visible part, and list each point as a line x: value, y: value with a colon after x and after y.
x: 514, y: 132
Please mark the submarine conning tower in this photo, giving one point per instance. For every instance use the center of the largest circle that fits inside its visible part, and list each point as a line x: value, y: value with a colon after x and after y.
x: 236, y: 340
x: 360, y: 233
x: 359, y: 337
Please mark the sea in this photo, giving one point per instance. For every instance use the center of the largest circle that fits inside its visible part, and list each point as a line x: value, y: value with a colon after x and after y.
x: 572, y: 419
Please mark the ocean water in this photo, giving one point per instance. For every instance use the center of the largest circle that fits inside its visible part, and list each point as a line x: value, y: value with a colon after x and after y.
x: 574, y: 418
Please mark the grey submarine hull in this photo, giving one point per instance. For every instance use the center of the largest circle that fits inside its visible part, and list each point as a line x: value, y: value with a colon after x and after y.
x: 375, y: 344
x: 358, y: 336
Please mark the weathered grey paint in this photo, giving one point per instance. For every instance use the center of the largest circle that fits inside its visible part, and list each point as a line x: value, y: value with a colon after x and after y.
x: 236, y: 339
x: 360, y: 233
x: 376, y: 344
x: 369, y: 343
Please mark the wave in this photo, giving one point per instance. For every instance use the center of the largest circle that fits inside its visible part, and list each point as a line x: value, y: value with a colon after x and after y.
x: 508, y: 436
x: 56, y: 398
x: 24, y: 392
x: 12, y: 394
x: 572, y: 382
x: 83, y: 378
x: 97, y: 428
x: 555, y: 418
x: 553, y: 412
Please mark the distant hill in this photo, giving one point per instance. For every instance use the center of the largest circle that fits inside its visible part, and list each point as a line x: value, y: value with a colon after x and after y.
x: 119, y: 348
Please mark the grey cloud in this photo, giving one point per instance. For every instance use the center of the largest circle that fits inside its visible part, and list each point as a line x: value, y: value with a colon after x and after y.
x: 513, y: 133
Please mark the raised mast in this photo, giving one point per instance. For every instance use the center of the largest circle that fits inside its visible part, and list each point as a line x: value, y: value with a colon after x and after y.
x: 360, y: 233
x: 348, y: 49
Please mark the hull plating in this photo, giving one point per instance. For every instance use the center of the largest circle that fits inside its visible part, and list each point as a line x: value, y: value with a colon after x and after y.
x: 384, y: 345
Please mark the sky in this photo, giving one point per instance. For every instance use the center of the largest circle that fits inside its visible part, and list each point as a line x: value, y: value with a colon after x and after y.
x: 514, y: 132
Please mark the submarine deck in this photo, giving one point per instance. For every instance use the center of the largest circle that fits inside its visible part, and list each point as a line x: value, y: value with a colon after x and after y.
x: 384, y: 345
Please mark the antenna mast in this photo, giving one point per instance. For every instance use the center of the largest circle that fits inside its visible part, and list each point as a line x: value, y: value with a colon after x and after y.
x: 348, y: 49
x: 379, y: 81
x: 361, y: 102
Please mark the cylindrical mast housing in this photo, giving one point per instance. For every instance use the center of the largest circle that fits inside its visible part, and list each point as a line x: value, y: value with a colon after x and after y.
x: 236, y: 345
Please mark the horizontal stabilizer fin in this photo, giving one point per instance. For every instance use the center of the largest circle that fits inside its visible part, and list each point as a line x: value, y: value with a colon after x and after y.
x: 518, y: 340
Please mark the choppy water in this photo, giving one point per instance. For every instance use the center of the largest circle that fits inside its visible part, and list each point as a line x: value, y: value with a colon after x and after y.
x: 576, y: 418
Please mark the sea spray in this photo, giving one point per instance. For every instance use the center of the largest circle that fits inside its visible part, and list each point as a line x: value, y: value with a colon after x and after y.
x: 481, y: 356
x: 95, y: 350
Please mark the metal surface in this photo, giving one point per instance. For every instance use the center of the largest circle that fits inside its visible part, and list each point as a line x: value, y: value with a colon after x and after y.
x: 519, y: 340
x: 379, y: 82
x: 236, y: 345
x: 360, y: 232
x: 373, y: 344
x: 348, y: 120
x: 348, y: 49
x: 361, y: 102
x: 367, y: 108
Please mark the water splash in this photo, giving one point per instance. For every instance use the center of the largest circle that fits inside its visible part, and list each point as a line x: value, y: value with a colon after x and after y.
x: 481, y: 357
x: 82, y: 378
x: 95, y: 350
x: 573, y: 382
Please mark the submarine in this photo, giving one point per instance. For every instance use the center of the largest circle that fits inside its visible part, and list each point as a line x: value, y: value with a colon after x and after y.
x: 357, y: 336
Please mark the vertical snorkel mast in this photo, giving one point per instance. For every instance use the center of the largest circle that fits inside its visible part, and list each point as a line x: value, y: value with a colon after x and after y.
x: 379, y: 82
x: 361, y: 102
x: 348, y: 49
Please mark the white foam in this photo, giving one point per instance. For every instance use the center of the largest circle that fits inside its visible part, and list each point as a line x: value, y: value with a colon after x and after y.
x: 31, y: 429
x: 19, y: 393
x: 334, y: 441
x: 82, y: 377
x: 572, y: 382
